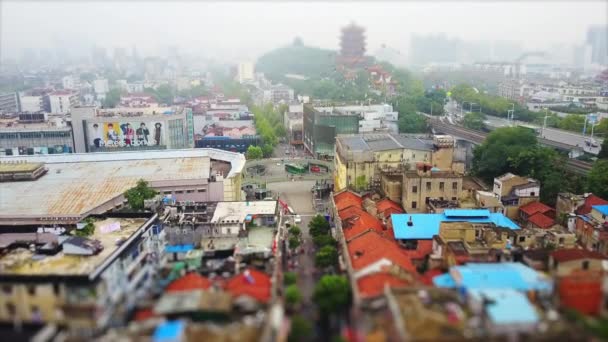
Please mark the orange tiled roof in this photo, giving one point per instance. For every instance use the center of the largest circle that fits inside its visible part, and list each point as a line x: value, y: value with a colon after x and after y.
x: 257, y: 286
x: 373, y: 285
x: 355, y: 220
x: 386, y: 204
x: 191, y: 281
x: 424, y: 248
x: 541, y: 220
x: 535, y: 207
x: 569, y: 254
x: 370, y: 247
x: 347, y: 199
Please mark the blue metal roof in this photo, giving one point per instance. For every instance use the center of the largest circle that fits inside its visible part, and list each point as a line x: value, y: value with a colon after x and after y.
x: 603, y: 209
x: 508, y: 306
x: 169, y: 331
x: 178, y: 248
x: 509, y: 275
x: 466, y: 212
x: 425, y: 226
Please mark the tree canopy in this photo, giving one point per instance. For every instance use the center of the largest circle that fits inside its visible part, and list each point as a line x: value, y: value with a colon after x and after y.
x: 254, y: 152
x: 597, y: 179
x: 136, y: 195
x: 332, y: 294
x: 604, y: 151
x: 326, y: 256
x: 301, y: 329
x: 318, y: 226
x: 474, y: 120
x: 112, y: 98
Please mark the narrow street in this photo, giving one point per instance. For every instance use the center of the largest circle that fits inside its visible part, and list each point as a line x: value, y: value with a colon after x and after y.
x: 298, y: 196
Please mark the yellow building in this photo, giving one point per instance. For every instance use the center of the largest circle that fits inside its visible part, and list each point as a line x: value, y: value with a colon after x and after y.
x: 425, y: 184
x: 514, y: 191
x: 360, y: 160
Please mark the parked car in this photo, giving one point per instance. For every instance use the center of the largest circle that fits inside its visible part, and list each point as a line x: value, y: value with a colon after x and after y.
x: 297, y: 219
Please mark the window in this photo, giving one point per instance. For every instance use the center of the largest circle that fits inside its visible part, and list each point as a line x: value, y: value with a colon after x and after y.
x: 522, y: 239
x: 414, y: 204
x: 202, y: 190
x: 228, y: 231
x: 179, y: 192
x: 441, y: 185
x: 428, y: 186
x: 189, y: 191
x: 414, y: 189
x: 31, y: 290
x: 426, y: 200
x: 56, y: 289
x: 532, y: 193
x: 561, y: 240
x: 585, y: 265
x: 166, y: 192
x: 453, y: 198
x: 455, y: 185
x: 7, y: 289
x: 10, y: 308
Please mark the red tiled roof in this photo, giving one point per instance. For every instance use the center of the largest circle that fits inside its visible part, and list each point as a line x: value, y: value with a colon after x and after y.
x: 347, y: 199
x: 373, y: 285
x: 144, y: 314
x: 590, y: 201
x: 541, y: 220
x: 386, y: 204
x: 424, y: 248
x: 191, y: 281
x: 370, y: 247
x: 581, y: 293
x: 535, y: 207
x: 258, y: 287
x: 570, y: 254
x: 355, y: 220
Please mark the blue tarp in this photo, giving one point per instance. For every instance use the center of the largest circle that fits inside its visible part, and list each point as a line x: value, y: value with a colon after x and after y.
x: 603, y: 209
x: 425, y: 226
x: 169, y: 331
x: 508, y: 275
x: 178, y: 248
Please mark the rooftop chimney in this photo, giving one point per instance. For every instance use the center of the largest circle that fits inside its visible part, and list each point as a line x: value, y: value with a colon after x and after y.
x: 409, y: 222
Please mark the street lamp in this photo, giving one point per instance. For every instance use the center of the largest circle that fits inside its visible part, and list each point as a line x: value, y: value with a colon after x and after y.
x: 542, y: 132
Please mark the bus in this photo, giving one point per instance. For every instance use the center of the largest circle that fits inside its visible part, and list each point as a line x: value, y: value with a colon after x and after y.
x: 295, y: 169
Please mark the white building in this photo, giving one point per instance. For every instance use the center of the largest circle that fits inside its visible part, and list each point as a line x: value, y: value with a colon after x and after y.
x: 374, y: 118
x: 101, y: 87
x: 246, y: 72
x: 62, y: 101
x: 278, y: 93
x: 70, y: 82
x: 136, y: 87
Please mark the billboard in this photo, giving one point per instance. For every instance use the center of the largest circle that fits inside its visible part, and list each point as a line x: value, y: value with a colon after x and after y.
x: 126, y: 134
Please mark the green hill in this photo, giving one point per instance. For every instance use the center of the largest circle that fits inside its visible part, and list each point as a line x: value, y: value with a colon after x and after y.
x: 308, y: 61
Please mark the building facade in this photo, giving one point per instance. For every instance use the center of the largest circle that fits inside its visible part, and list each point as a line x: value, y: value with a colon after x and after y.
x: 320, y: 130
x: 424, y: 184
x: 61, y: 102
x: 120, y: 129
x: 9, y: 103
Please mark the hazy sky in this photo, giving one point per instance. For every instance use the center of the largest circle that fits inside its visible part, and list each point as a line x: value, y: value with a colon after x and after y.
x: 243, y: 30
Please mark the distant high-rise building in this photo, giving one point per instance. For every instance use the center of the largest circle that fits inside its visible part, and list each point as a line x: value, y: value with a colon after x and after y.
x: 597, y: 38
x: 246, y: 72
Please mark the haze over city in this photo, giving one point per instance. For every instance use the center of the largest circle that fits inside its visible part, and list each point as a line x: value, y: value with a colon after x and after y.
x: 245, y: 30
x: 303, y: 171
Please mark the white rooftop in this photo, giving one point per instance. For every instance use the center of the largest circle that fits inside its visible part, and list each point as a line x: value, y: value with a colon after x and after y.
x: 235, y: 212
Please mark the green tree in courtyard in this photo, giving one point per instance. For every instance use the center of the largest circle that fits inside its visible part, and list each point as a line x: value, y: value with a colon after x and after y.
x: 332, y: 294
x: 295, y: 231
x: 326, y: 256
x: 318, y: 226
x: 112, y: 98
x: 289, y: 278
x: 324, y: 240
x: 294, y: 242
x: 254, y: 152
x: 360, y: 183
x: 136, y: 195
x: 267, y: 150
x: 293, y: 296
x: 301, y: 329
x: 87, y: 230
x: 597, y: 179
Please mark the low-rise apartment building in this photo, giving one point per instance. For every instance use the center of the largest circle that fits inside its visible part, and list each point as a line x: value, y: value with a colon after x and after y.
x: 368, y: 157
x: 62, y: 101
x: 321, y: 128
x: 35, y: 133
x: 514, y: 191
x: 425, y: 184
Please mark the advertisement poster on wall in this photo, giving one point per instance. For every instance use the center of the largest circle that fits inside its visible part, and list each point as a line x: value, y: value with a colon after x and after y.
x: 126, y: 134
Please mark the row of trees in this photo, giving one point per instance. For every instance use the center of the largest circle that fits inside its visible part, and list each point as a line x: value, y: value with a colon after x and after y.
x: 269, y: 125
x: 514, y: 149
